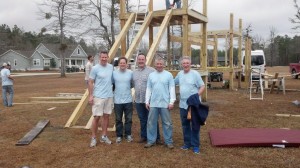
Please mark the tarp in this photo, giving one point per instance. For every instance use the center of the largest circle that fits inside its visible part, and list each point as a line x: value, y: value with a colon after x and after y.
x: 255, y: 137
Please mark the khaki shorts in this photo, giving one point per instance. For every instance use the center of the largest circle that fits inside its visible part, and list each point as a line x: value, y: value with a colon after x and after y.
x: 102, y: 106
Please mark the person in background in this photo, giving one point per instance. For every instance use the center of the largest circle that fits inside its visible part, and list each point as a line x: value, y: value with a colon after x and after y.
x: 169, y: 6
x: 7, y: 86
x: 190, y: 82
x: 122, y: 79
x: 88, y: 68
x: 140, y: 76
x: 101, y: 97
x: 160, y: 98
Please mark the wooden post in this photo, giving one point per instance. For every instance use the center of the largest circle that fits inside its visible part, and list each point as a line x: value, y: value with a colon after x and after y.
x: 122, y: 20
x: 204, y: 50
x: 240, y: 52
x: 215, y: 57
x: 231, y: 73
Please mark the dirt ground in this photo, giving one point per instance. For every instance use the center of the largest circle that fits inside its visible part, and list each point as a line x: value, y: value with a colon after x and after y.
x: 57, y: 146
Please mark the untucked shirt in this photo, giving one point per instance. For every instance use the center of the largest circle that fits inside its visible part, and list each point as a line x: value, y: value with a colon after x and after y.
x: 160, y: 89
x: 189, y: 84
x: 4, y: 75
x: 140, y: 77
x: 123, y: 82
x: 102, y: 76
x: 88, y: 68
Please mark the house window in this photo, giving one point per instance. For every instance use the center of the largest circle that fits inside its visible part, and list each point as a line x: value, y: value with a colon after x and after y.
x: 47, y: 62
x: 15, y: 62
x: 78, y: 51
x: 36, y: 62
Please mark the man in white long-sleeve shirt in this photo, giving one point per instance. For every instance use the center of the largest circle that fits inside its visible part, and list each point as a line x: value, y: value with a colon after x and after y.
x: 160, y: 98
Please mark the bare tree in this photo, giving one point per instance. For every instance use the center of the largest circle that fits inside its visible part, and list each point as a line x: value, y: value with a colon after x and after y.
x: 258, y: 42
x: 296, y: 19
x: 272, y: 43
x: 63, y: 17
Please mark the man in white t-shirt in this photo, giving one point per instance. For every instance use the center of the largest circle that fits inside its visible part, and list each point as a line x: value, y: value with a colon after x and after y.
x: 88, y: 68
x: 7, y: 86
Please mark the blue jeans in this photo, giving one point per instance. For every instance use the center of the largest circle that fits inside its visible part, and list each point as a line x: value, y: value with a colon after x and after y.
x: 178, y: 4
x: 10, y: 90
x: 190, y: 136
x: 166, y: 124
x: 143, y: 116
x: 168, y: 4
x: 125, y: 109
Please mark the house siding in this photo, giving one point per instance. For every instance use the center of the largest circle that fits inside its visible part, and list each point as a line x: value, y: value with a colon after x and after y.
x: 22, y: 62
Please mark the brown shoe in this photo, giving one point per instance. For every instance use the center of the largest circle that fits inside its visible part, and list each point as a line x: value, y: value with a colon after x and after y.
x: 158, y: 142
x: 142, y: 140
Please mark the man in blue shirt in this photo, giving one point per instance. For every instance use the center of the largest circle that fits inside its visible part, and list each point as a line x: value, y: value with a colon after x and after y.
x: 122, y: 78
x: 160, y: 98
x: 190, y: 82
x: 101, y: 97
x: 7, y: 86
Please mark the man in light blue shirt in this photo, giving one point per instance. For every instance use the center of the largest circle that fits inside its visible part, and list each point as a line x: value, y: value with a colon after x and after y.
x: 160, y: 98
x: 190, y: 82
x: 101, y: 97
x: 7, y: 86
x: 122, y: 79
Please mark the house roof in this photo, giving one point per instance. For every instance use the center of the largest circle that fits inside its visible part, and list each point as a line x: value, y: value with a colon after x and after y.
x: 18, y: 53
x: 25, y: 53
x: 54, y: 48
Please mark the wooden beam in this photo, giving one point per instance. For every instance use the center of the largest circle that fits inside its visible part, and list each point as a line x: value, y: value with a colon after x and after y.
x: 29, y: 137
x: 120, y: 37
x: 78, y: 110
x: 193, y: 40
x: 159, y: 35
x: 139, y: 35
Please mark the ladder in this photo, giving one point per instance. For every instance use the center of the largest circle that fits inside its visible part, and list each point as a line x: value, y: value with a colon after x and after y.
x: 140, y: 16
x: 256, y: 84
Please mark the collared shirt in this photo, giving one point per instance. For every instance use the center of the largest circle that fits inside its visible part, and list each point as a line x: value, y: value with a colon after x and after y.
x: 189, y: 84
x: 140, y: 77
x: 160, y: 89
x: 4, y: 76
x: 102, y: 76
x: 123, y: 82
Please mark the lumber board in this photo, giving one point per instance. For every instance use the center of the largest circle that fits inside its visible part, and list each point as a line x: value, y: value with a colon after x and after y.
x: 58, y: 98
x: 78, y: 110
x: 139, y: 35
x: 99, y: 128
x: 89, y: 123
x: 120, y: 37
x: 159, y: 35
x: 29, y: 137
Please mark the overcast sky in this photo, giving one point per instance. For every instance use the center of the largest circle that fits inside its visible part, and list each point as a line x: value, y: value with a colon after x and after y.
x: 261, y: 14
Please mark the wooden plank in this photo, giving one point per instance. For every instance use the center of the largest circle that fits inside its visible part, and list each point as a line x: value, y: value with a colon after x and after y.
x: 159, y: 35
x: 78, y: 110
x: 99, y: 128
x: 50, y: 102
x: 89, y: 123
x: 58, y: 98
x: 120, y: 37
x: 28, y: 138
x: 139, y: 35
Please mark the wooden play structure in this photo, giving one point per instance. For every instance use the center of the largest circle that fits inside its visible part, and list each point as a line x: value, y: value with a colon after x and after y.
x: 162, y: 19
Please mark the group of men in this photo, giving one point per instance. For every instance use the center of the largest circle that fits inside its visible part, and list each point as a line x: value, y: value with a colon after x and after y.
x: 154, y: 96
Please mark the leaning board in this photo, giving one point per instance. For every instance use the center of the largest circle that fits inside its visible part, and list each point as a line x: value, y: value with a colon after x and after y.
x: 33, y: 133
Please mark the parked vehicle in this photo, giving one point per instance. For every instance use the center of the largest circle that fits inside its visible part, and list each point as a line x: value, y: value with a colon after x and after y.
x: 294, y: 69
x: 258, y: 61
x: 218, y: 76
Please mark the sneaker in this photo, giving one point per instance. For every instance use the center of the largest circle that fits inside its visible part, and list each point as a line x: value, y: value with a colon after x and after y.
x: 93, y: 142
x: 129, y: 138
x: 148, y: 145
x: 170, y: 146
x: 196, y: 150
x: 104, y: 139
x: 185, y: 147
x: 119, y: 139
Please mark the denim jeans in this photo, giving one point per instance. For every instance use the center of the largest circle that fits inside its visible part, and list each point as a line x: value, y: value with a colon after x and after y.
x: 166, y: 125
x: 125, y: 109
x: 167, y: 4
x: 10, y: 90
x: 190, y: 136
x: 143, y: 116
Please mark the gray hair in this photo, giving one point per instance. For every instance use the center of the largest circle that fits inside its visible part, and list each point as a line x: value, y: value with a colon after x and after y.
x: 185, y: 58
